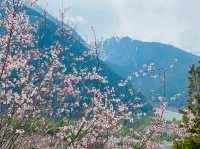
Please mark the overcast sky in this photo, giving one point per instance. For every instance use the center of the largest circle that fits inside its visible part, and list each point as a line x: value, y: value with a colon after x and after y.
x: 174, y: 22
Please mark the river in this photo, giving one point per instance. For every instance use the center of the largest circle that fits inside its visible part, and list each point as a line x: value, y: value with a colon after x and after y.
x: 170, y: 115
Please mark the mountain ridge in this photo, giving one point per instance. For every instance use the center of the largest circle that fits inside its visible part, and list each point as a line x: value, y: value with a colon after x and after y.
x: 126, y: 56
x: 148, y: 42
x: 50, y: 32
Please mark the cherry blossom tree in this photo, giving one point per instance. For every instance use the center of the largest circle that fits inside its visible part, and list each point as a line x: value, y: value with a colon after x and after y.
x: 34, y: 84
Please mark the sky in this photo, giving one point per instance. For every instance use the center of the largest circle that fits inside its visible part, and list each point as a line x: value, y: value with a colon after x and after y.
x: 175, y: 22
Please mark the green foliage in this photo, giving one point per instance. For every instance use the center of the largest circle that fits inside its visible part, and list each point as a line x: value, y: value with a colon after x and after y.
x: 188, y: 143
x: 136, y: 146
x: 167, y: 136
x: 34, y: 124
x: 194, y: 100
x: 124, y: 131
x: 141, y: 124
x: 193, y: 141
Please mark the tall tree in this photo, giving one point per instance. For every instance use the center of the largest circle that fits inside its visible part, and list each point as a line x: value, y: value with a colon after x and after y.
x: 191, y: 115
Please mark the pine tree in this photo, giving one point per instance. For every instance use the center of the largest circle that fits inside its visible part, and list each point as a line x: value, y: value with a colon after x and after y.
x: 192, y: 135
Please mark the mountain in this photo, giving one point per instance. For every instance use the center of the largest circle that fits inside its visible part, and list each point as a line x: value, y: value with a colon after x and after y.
x: 51, y: 31
x: 128, y: 57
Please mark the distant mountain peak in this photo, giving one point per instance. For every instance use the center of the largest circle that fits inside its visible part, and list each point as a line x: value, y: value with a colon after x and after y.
x: 120, y: 39
x: 127, y: 56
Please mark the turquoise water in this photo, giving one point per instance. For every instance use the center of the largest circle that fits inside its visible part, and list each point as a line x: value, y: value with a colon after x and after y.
x: 170, y: 115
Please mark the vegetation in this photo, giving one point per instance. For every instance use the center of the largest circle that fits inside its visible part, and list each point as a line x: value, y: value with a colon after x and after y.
x: 55, y: 92
x: 190, y: 139
x: 54, y: 89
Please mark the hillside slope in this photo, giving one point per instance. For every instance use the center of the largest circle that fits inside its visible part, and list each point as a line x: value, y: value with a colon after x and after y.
x: 127, y: 56
x: 51, y: 31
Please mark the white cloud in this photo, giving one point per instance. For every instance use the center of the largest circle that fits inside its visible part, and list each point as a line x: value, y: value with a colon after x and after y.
x: 169, y: 21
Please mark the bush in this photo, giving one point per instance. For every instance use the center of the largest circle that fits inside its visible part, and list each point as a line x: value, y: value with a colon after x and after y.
x: 188, y: 143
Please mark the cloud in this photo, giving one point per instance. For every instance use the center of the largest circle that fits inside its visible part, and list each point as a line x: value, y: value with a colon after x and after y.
x: 174, y: 22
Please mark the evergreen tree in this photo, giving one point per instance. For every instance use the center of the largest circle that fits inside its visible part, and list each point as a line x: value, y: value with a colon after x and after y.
x: 191, y: 116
